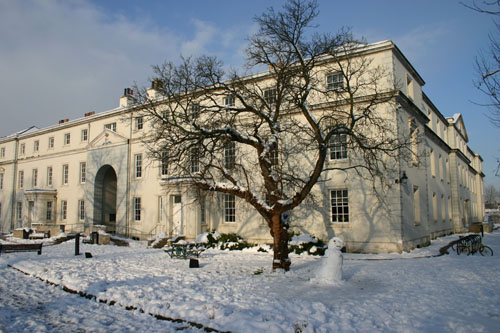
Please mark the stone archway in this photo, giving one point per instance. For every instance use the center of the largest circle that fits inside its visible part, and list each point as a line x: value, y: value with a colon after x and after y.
x: 105, y: 189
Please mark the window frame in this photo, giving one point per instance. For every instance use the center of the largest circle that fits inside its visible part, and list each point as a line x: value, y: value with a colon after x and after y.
x: 336, y: 83
x: 229, y: 101
x: 20, y: 180
x: 83, y: 172
x: 269, y: 95
x: 81, y: 210
x: 34, y: 177
x: 85, y: 135
x: 138, y: 123
x: 67, y: 139
x: 229, y: 209
x: 51, y: 142
x: 50, y: 177
x: 49, y: 212
x: 64, y: 210
x: 338, y: 147
x: 110, y: 126
x: 138, y: 166
x: 339, y: 206
x: 137, y: 209
x: 65, y: 174
x: 229, y: 155
x: 36, y: 146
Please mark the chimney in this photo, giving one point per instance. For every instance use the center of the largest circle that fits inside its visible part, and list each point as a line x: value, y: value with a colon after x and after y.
x: 127, y: 99
x: 61, y: 121
x: 88, y: 114
x: 155, y: 90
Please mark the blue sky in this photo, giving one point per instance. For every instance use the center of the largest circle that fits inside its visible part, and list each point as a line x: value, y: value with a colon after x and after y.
x: 61, y: 59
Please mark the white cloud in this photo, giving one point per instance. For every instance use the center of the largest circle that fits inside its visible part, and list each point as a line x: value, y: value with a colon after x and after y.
x: 60, y: 59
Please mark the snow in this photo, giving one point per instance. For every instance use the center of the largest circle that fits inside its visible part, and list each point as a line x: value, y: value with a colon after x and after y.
x: 237, y: 291
x: 302, y: 239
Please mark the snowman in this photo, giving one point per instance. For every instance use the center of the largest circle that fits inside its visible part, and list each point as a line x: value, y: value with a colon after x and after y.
x: 330, y: 270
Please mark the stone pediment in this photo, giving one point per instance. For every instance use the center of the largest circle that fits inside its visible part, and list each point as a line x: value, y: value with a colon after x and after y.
x: 107, y: 138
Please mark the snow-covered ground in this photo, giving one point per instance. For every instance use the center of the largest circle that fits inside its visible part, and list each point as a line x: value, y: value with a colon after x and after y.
x: 237, y: 291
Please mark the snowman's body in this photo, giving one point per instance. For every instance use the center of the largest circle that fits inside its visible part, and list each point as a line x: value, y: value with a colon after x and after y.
x: 330, y: 270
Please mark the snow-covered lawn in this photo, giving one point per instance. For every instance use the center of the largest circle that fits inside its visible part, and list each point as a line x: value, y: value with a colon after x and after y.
x: 237, y: 291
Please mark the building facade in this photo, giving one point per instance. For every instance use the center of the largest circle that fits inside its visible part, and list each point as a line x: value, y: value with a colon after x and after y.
x: 95, y: 172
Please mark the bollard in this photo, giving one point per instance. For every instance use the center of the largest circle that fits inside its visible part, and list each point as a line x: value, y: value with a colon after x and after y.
x: 77, y: 244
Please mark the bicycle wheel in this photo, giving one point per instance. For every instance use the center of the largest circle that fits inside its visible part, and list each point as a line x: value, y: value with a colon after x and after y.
x: 486, y: 251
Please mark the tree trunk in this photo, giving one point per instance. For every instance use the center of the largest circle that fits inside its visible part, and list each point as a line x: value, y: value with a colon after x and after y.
x: 280, y: 236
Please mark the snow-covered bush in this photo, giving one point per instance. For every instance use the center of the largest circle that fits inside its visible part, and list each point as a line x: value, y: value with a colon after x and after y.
x: 222, y: 241
x: 306, y: 243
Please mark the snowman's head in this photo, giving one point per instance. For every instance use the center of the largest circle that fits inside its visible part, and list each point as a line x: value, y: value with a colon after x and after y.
x: 336, y: 243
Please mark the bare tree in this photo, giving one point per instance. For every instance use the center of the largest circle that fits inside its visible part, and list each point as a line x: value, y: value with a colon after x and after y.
x: 487, y: 63
x: 491, y: 194
x: 264, y: 138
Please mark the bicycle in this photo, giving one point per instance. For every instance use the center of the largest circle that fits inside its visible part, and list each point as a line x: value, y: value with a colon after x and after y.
x: 471, y: 244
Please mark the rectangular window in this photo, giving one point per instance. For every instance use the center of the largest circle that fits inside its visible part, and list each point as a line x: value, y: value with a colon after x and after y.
x: 270, y: 95
x: 21, y: 179
x: 65, y: 174
x: 51, y: 142
x: 0, y: 209
x: 195, y: 160
x: 164, y: 164
x: 2, y: 152
x: 229, y: 155
x: 137, y: 209
x: 111, y: 126
x: 413, y: 140
x: 335, y: 81
x: 67, y: 138
x: 36, y: 145
x: 441, y: 168
x: 19, y: 211
x: 203, y: 213
x: 443, y: 217
x: 83, y: 172
x: 340, y: 205
x: 139, y: 123
x: 274, y: 155
x: 1, y: 181
x: 23, y: 149
x: 416, y: 204
x: 138, y: 165
x: 34, y: 178
x: 49, y: 211
x: 49, y: 176
x: 448, y: 171
x: 229, y: 208
x: 81, y: 210
x: 229, y: 101
x: 85, y: 135
x: 195, y: 111
x: 338, y: 147
x: 434, y: 207
x: 64, y: 210
x: 449, y: 210
x: 433, y: 164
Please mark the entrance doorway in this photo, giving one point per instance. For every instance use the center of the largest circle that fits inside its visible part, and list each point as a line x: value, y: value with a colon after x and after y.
x: 178, y: 227
x: 105, y: 198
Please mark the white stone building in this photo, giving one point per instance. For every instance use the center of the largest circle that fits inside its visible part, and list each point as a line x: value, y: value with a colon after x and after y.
x: 95, y: 171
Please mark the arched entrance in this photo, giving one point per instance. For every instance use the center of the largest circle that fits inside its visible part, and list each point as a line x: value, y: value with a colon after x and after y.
x: 105, y: 198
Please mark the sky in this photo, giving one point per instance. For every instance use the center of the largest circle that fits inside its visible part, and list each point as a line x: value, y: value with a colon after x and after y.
x: 60, y: 59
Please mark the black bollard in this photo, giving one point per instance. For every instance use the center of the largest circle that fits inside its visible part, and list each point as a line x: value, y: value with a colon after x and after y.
x: 77, y: 244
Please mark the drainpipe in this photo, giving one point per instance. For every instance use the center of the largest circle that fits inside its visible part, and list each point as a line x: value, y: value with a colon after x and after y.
x: 14, y: 192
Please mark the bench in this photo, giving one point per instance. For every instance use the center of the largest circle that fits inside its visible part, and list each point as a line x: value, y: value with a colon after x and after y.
x: 6, y: 248
x: 183, y: 251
